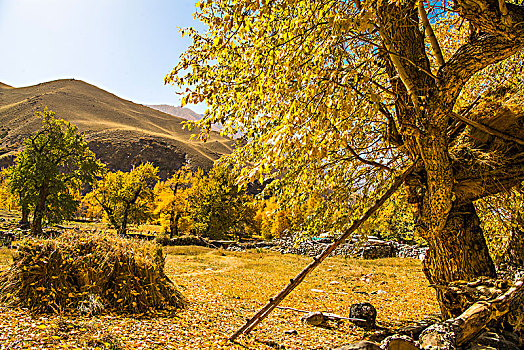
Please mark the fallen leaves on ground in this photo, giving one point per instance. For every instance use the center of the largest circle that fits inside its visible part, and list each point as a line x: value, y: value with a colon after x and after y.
x: 223, y: 289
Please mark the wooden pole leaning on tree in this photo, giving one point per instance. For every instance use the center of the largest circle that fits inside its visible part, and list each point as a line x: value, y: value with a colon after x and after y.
x: 273, y: 302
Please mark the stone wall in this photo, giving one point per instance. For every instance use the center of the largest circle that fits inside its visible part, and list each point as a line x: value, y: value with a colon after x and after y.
x: 371, y: 249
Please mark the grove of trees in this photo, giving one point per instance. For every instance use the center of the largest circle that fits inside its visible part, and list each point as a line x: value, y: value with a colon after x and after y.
x: 335, y: 97
x: 50, y: 177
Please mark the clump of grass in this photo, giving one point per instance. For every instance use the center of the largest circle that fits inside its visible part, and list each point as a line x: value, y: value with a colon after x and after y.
x: 89, y: 272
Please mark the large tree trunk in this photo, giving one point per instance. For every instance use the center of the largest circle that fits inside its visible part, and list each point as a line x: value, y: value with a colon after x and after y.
x: 38, y: 214
x: 24, y: 221
x: 420, y: 124
x: 457, y: 252
x: 173, y: 224
x: 122, y: 229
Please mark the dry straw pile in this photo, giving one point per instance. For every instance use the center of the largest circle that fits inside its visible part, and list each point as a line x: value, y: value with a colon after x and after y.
x: 89, y: 272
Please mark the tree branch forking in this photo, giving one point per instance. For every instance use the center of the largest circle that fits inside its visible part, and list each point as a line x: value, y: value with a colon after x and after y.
x: 470, y: 59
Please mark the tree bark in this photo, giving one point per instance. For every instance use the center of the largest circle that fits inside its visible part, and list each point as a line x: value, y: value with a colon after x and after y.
x: 38, y: 214
x: 457, y: 252
x: 173, y: 224
x: 457, y: 332
x: 24, y: 221
x: 424, y: 104
x: 122, y: 230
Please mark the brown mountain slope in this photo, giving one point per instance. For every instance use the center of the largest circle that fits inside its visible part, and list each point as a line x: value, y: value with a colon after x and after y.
x: 121, y: 132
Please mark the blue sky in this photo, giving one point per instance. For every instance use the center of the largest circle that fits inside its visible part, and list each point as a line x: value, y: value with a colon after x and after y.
x: 123, y: 46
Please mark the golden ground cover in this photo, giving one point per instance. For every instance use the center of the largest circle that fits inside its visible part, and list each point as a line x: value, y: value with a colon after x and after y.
x: 223, y: 289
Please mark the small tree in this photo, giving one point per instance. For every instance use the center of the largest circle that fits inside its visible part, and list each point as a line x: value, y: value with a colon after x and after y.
x: 171, y: 201
x: 126, y: 198
x: 54, y: 165
x: 218, y: 207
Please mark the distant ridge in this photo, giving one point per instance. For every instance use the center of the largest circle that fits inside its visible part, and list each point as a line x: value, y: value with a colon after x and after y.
x: 120, y: 132
x: 182, y: 112
x: 5, y: 86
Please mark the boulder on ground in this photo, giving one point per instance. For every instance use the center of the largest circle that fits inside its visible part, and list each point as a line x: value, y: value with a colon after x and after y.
x: 314, y: 319
x: 363, y: 311
x: 88, y: 272
x: 376, y: 250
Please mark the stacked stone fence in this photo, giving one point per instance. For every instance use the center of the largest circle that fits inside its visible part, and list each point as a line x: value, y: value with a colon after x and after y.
x: 371, y: 249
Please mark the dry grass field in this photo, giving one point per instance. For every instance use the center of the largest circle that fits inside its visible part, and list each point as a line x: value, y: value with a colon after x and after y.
x: 223, y: 288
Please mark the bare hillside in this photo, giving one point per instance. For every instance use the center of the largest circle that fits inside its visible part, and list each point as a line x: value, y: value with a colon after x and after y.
x: 121, y: 132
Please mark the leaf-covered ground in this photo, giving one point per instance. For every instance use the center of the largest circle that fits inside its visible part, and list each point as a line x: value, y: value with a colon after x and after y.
x: 223, y: 289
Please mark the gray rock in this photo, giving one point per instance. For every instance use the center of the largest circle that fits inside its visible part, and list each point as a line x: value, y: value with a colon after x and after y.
x: 361, y: 345
x: 376, y: 250
x: 314, y: 319
x: 363, y: 311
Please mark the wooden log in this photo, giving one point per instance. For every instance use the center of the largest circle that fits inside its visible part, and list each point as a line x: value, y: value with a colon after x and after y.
x: 273, y: 302
x: 464, y: 328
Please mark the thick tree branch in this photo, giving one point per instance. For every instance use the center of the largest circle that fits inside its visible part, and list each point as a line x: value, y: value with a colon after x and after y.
x: 407, y: 66
x: 430, y: 34
x: 504, y: 25
x: 456, y: 332
x: 471, y: 58
x: 404, y: 77
x: 472, y: 184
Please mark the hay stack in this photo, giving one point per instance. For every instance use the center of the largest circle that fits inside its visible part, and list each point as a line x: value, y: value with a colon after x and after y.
x: 88, y: 271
